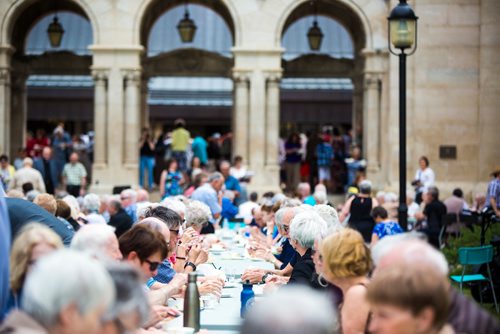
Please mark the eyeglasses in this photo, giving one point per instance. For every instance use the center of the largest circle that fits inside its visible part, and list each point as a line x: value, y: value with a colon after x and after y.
x: 124, y: 198
x: 286, y: 228
x: 152, y: 265
x: 176, y: 232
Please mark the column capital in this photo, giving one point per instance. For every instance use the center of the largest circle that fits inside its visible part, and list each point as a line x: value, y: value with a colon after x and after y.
x: 100, y: 74
x: 132, y: 75
x: 372, y: 79
x: 241, y: 76
x: 274, y: 75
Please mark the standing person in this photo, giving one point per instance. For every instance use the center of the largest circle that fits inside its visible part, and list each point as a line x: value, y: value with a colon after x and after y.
x: 424, y: 178
x: 75, y: 176
x: 354, y: 165
x: 7, y: 171
x: 147, y: 158
x: 27, y: 174
x: 61, y: 143
x: 324, y: 153
x: 180, y: 142
x: 359, y: 207
x: 493, y: 193
x: 431, y: 218
x: 82, y: 148
x: 313, y: 141
x: 292, y: 161
x: 199, y: 148
x: 47, y: 166
x: 171, y: 180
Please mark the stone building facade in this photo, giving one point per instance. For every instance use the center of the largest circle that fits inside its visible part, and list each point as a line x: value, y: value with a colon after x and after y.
x: 453, y: 87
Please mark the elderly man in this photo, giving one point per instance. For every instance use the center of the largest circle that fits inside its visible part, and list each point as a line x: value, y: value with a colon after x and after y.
x: 97, y: 240
x: 464, y: 316
x: 304, y: 191
x: 75, y: 176
x: 209, y: 194
x: 65, y: 293
x: 230, y: 182
x: 27, y: 174
x: 91, y: 206
x: 128, y: 199
x: 118, y: 218
x: 434, y: 211
x: 47, y: 166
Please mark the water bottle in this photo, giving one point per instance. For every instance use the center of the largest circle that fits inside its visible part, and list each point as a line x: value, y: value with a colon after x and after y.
x: 192, y: 304
x: 247, y: 297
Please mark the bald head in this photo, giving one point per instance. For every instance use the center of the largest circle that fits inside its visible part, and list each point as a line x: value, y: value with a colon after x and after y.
x: 142, y: 195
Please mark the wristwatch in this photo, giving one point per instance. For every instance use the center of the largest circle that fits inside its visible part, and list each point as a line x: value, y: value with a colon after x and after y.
x: 266, y: 275
x: 190, y: 264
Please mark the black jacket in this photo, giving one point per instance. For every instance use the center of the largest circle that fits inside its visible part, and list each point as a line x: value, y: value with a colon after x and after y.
x: 121, y: 221
x: 304, y: 272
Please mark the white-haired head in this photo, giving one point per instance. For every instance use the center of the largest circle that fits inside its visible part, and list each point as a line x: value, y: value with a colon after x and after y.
x: 320, y: 197
x: 390, y: 197
x: 330, y: 216
x: 306, y: 227
x: 408, y: 248
x: 314, y: 314
x: 64, y: 278
x: 91, y: 203
x: 97, y: 240
x: 73, y: 204
x: 130, y: 194
x: 142, y: 195
x: 290, y: 203
x: 142, y: 208
x: 175, y: 205
x: 197, y: 214
x: 320, y: 187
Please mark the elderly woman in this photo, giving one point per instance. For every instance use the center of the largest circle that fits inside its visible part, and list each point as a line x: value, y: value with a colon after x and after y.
x: 345, y: 261
x: 359, y: 208
x: 197, y: 215
x: 32, y: 243
x: 66, y: 293
x: 97, y: 240
x: 130, y: 310
x: 408, y: 299
x: 304, y: 229
x: 91, y: 205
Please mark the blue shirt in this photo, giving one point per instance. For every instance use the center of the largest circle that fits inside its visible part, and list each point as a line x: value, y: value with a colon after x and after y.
x: 387, y: 228
x: 324, y: 152
x: 493, y: 192
x: 229, y: 210
x: 4, y: 255
x: 287, y: 253
x: 199, y: 148
x: 206, y: 194
x: 310, y: 200
x: 165, y: 274
x: 131, y: 210
x: 232, y: 183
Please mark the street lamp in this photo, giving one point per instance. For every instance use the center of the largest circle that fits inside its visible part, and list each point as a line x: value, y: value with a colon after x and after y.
x: 315, y: 35
x: 55, y: 32
x: 403, y: 37
x: 186, y: 27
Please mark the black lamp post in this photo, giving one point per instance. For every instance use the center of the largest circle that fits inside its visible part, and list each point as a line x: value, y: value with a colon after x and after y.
x: 186, y: 27
x: 315, y: 35
x: 402, y: 37
x: 55, y: 32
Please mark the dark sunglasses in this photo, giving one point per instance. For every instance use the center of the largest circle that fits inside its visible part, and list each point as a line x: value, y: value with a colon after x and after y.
x: 286, y: 228
x: 152, y: 265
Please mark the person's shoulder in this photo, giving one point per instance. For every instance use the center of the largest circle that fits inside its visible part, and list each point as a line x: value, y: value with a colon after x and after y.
x: 356, y: 292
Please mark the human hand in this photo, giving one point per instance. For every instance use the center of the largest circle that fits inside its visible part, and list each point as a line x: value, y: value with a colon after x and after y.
x: 211, y: 286
x: 253, y: 275
x: 202, y: 257
x: 188, y: 236
x: 160, y: 312
x: 177, y: 282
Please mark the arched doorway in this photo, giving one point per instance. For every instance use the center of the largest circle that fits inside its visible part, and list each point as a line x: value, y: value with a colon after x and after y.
x: 190, y: 80
x: 48, y: 84
x: 351, y: 74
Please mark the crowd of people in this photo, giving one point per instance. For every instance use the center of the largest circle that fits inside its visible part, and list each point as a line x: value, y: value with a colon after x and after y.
x: 110, y: 263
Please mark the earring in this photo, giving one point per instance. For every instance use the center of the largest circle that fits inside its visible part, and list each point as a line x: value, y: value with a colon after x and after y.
x: 322, y: 281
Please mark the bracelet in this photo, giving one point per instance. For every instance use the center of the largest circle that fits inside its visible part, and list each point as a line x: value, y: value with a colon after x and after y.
x: 266, y: 275
x: 190, y: 264
x: 180, y: 258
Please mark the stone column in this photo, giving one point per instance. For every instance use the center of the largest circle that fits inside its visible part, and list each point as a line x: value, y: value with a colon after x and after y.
x: 357, y: 110
x: 241, y: 115
x: 5, y: 111
x: 371, y: 122
x: 19, y: 113
x: 257, y: 128
x: 144, y: 110
x: 132, y: 116
x: 272, y: 118
x: 100, y: 118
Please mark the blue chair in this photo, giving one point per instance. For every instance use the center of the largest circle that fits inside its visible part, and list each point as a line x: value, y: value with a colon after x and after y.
x: 475, y: 256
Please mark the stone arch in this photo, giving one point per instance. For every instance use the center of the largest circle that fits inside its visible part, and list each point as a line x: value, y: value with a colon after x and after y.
x: 350, y: 9
x: 151, y: 10
x: 33, y: 10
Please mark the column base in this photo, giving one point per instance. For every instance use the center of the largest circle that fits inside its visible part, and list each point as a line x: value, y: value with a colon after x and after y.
x: 105, y: 177
x: 267, y: 178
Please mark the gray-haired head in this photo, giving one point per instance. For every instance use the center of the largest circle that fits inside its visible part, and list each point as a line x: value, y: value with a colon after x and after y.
x: 330, y: 216
x: 32, y: 194
x: 290, y: 203
x: 320, y: 197
x: 365, y: 187
x: 306, y: 227
x: 197, y: 214
x: 168, y: 216
x: 62, y: 278
x: 131, y: 299
x: 98, y: 241
x: 142, y: 208
x: 215, y: 176
x: 281, y: 313
x: 433, y: 192
x: 91, y: 203
x: 408, y: 248
x: 174, y: 204
x: 129, y: 193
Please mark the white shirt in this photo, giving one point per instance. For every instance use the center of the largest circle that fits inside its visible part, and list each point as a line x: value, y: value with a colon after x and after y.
x: 245, y: 210
x: 426, y: 178
x: 238, y: 173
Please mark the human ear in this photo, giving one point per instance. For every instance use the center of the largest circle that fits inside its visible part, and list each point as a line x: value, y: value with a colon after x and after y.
x: 425, y: 320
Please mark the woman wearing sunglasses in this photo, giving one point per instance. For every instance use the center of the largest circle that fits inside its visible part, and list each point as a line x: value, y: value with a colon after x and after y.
x: 144, y: 249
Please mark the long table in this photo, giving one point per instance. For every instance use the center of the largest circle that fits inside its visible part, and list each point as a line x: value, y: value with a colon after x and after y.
x: 225, y: 317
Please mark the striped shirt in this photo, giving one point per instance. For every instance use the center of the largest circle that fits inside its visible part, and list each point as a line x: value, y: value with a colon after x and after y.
x: 74, y: 173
